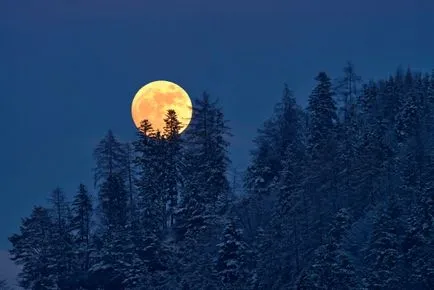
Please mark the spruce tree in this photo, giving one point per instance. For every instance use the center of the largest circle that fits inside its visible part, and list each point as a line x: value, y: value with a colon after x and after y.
x: 32, y: 250
x: 321, y: 169
x: 129, y: 178
x: 81, y: 225
x: 348, y: 133
x: 233, y: 258
x: 147, y: 164
x: 172, y: 169
x: 287, y: 226
x: 112, y: 232
x: 206, y: 151
x: 367, y: 166
x: 382, y: 257
x: 331, y: 267
x: 418, y: 243
x: 155, y: 187
x: 205, y: 191
x: 109, y: 156
x: 62, y: 253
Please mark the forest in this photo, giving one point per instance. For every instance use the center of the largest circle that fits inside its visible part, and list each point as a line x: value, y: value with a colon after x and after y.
x: 337, y: 195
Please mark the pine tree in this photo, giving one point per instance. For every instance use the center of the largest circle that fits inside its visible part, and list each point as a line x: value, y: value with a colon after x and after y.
x: 110, y: 158
x: 320, y: 173
x: 81, y: 225
x: 130, y: 176
x: 418, y: 244
x: 62, y: 252
x: 348, y: 133
x: 110, y: 252
x: 410, y: 127
x: 372, y: 152
x: 348, y: 89
x: 147, y: 163
x: 271, y: 145
x: 205, y: 192
x: 382, y: 256
x: 32, y: 249
x: 288, y: 225
x: 286, y: 128
x: 113, y: 203
x: 232, y: 260
x: 155, y: 188
x: 332, y: 267
x: 172, y: 170
x: 112, y: 233
x: 206, y: 152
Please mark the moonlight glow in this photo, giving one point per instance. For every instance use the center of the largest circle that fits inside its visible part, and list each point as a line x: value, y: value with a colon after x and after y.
x: 153, y: 100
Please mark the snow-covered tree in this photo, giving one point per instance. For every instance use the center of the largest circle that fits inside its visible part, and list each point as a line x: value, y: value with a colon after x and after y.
x: 171, y: 158
x: 206, y: 152
x: 383, y: 257
x: 320, y: 181
x: 288, y: 225
x: 110, y: 256
x: 81, y: 226
x: 331, y: 267
x: 62, y: 244
x: 32, y: 249
x: 205, y: 192
x: 331, y: 201
x: 418, y: 244
x: 233, y: 258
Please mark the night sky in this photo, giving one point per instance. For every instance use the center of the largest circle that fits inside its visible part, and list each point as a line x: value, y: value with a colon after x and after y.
x: 69, y: 71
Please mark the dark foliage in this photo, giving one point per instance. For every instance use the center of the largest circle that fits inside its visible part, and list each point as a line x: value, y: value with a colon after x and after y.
x: 337, y: 196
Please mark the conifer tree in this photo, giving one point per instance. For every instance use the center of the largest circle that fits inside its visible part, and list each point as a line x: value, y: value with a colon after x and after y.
x: 233, y: 258
x: 332, y: 267
x: 383, y: 253
x: 320, y: 173
x: 287, y: 227
x: 348, y: 133
x: 32, y: 249
x: 149, y: 200
x: 410, y: 127
x: 154, y: 187
x: 172, y: 170
x: 348, y: 89
x: 205, y: 191
x: 207, y: 151
x: 129, y: 178
x: 284, y: 129
x: 110, y: 158
x: 113, y: 213
x: 160, y: 222
x: 370, y: 156
x: 418, y: 244
x: 81, y: 226
x: 62, y: 247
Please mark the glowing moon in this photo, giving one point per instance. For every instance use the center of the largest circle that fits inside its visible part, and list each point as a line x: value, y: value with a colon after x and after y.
x: 153, y: 100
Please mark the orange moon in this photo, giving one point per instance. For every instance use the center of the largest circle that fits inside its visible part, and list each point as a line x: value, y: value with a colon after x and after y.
x: 153, y: 100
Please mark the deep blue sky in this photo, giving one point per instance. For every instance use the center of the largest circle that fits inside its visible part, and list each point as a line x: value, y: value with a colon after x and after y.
x: 69, y: 70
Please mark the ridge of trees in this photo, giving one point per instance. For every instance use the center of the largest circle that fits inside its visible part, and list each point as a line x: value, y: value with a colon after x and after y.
x: 339, y: 195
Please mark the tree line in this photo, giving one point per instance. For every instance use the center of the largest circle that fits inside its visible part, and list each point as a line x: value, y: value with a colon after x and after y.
x: 338, y: 195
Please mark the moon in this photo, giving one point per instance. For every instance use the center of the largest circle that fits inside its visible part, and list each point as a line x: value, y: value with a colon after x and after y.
x: 153, y: 101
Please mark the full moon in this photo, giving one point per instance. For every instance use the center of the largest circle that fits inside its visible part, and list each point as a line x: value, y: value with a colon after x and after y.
x: 153, y: 101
